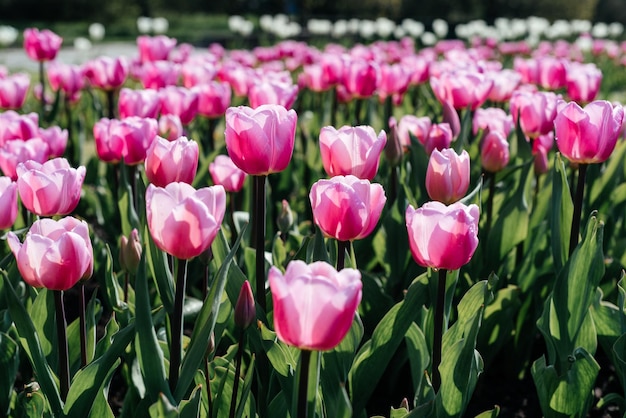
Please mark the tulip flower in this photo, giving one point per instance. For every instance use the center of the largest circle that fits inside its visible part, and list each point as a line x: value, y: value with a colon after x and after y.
x: 551, y: 73
x: 41, y: 45
x: 314, y: 304
x: 68, y: 78
x: 8, y: 202
x: 360, y: 78
x: 183, y: 221
x: 541, y: 147
x: 143, y: 103
x: 504, y: 83
x: 13, y: 90
x: 492, y: 119
x: 582, y: 82
x: 351, y: 150
x: 14, y: 152
x: 56, y: 139
x: 168, y: 162
x: 51, y: 188
x: 439, y: 137
x: 345, y: 207
x: 158, y: 74
x: 213, y: 98
x: 447, y: 175
x: 415, y: 126
x: 224, y: 172
x: 179, y: 101
x: 107, y: 73
x: 494, y: 152
x: 461, y: 88
x: 260, y: 141
x: 272, y: 92
x: 534, y: 111
x: 154, y: 48
x: 200, y: 71
x: 170, y: 127
x: 16, y: 126
x: 128, y: 138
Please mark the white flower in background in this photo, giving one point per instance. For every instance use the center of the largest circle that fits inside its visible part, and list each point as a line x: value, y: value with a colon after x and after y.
x: 246, y: 28
x: 559, y: 29
x: 354, y: 25
x: 96, y: 31
x: 385, y: 27
x: 266, y: 22
x: 8, y: 35
x: 440, y: 27
x: 160, y: 25
x: 511, y: 28
x: 533, y: 40
x: 537, y: 25
x: 581, y: 25
x: 82, y: 44
x: 600, y: 30
x: 463, y: 31
x: 340, y: 28
x: 319, y: 26
x: 584, y: 42
x: 413, y: 27
x: 367, y: 29
x: 144, y: 24
x: 399, y: 32
x: 616, y: 29
x: 428, y: 38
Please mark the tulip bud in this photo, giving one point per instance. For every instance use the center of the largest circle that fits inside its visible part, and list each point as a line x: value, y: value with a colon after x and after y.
x: 130, y: 252
x: 285, y: 218
x: 393, y: 148
x: 245, y: 311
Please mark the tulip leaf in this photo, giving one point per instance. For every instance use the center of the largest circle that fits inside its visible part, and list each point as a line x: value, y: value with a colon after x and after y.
x: 569, y: 393
x: 619, y: 355
x: 157, y: 260
x: 603, y: 187
x: 31, y: 403
x: 9, y: 364
x: 373, y: 358
x: 418, y: 353
x: 32, y: 346
x: 561, y: 214
x: 113, y: 290
x: 42, y: 313
x: 490, y: 414
x: 149, y: 353
x: 498, y: 322
x: 162, y: 408
x: 205, y: 323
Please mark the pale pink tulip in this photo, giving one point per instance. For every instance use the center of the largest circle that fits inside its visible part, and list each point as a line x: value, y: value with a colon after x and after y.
x: 413, y: 126
x: 70, y: 79
x: 168, y: 162
x: 583, y: 82
x: 17, y: 151
x: 272, y: 92
x: 447, y: 175
x: 180, y: 101
x: 154, y: 48
x: 213, y: 98
x: 494, y: 152
x: 224, y: 172
x: 56, y: 138
x: 170, y: 127
x: 143, y: 103
x: 462, y: 88
x: 13, y: 90
x: 8, y: 202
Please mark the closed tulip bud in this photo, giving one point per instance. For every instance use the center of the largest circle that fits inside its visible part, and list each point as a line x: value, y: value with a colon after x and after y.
x: 439, y: 137
x: 130, y: 251
x: 451, y: 117
x: 13, y: 90
x: 41, y: 45
x: 447, y: 175
x: 245, y: 311
x: 393, y: 147
x: 442, y: 237
x: 494, y: 152
x: 8, y: 202
x: 285, y: 218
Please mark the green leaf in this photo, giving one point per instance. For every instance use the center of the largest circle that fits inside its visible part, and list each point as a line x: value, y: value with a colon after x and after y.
x: 190, y: 408
x: 418, y: 352
x: 569, y: 394
x: 30, y: 341
x: 128, y: 214
x: 498, y: 322
x: 9, y: 365
x: 490, y: 414
x: 373, y: 358
x: 561, y: 214
x: 162, y: 408
x: 157, y: 260
x: 42, y: 313
x: 32, y: 402
x: 205, y: 323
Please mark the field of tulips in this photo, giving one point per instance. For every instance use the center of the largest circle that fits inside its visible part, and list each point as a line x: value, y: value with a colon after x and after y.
x: 383, y: 229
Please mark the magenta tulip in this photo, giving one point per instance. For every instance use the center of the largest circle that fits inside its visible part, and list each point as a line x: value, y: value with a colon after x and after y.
x: 551, y: 72
x: 49, y: 189
x: 447, y: 175
x: 360, y: 78
x: 13, y: 90
x: 588, y: 135
x: 213, y: 98
x: 170, y: 127
x: 168, y: 162
x: 41, y: 45
x: 8, y: 202
x: 142, y: 103
x: 442, y: 237
x: 107, y: 73
x: 351, y: 150
x: 534, y: 111
x: 345, y: 207
x: 462, y: 88
x: 260, y: 141
x: 224, y: 172
x: 70, y: 79
x: 179, y: 101
x: 55, y: 254
x: 14, y: 152
x: 128, y: 138
x: 314, y: 305
x: 56, y: 138
x: 154, y: 48
x: 494, y: 152
x: 16, y: 126
x: 158, y: 74
x: 184, y: 221
x: 582, y: 82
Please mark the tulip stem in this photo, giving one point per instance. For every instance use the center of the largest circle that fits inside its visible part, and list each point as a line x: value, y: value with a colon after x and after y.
x: 64, y: 364
x: 342, y: 247
x: 333, y: 106
x: 83, y: 326
x: 578, y: 205
x: 258, y: 222
x: 303, y: 384
x: 240, y: 350
x: 177, y: 323
x: 211, y: 134
x: 111, y: 103
x: 358, y: 105
x: 491, y: 177
x: 438, y: 329
x: 42, y: 82
x: 207, y: 380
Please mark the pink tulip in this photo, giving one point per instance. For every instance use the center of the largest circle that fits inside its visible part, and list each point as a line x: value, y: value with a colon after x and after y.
x: 588, y: 135
x: 551, y: 73
x: 142, y: 103
x: 184, y: 221
x: 128, y: 138
x: 541, y: 148
x: 528, y: 68
x: 418, y: 68
x: 504, y: 83
x: 351, y: 150
x: 195, y: 73
x: 56, y: 138
x: 313, y: 78
x: 158, y: 74
x: 55, y: 254
x: 179, y: 101
x: 154, y: 48
x: 534, y: 111
x: 16, y: 126
x: 170, y: 127
x: 260, y: 141
x: 447, y: 175
x: 314, y: 305
x: 237, y: 76
x: 272, y: 92
x: 360, y: 78
x: 224, y: 172
x: 14, y: 152
x: 494, y: 152
x: 492, y: 119
x: 417, y: 127
x: 461, y: 88
x: 107, y: 73
x: 168, y: 162
x: 583, y: 82
x: 213, y: 98
x: 394, y: 80
x: 442, y: 237
x: 346, y: 208
x: 8, y: 202
x: 41, y: 45
x: 49, y: 189
x: 13, y: 90
x: 68, y: 78
x: 439, y: 137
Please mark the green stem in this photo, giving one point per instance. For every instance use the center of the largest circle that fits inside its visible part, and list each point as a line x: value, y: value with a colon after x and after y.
x: 258, y: 223
x: 358, y: 105
x: 64, y: 364
x: 240, y: 350
x: 177, y: 323
x: 303, y: 383
x: 111, y: 103
x: 126, y: 280
x: 42, y: 82
x: 342, y: 247
x: 83, y: 326
x: 438, y: 329
x: 578, y: 205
